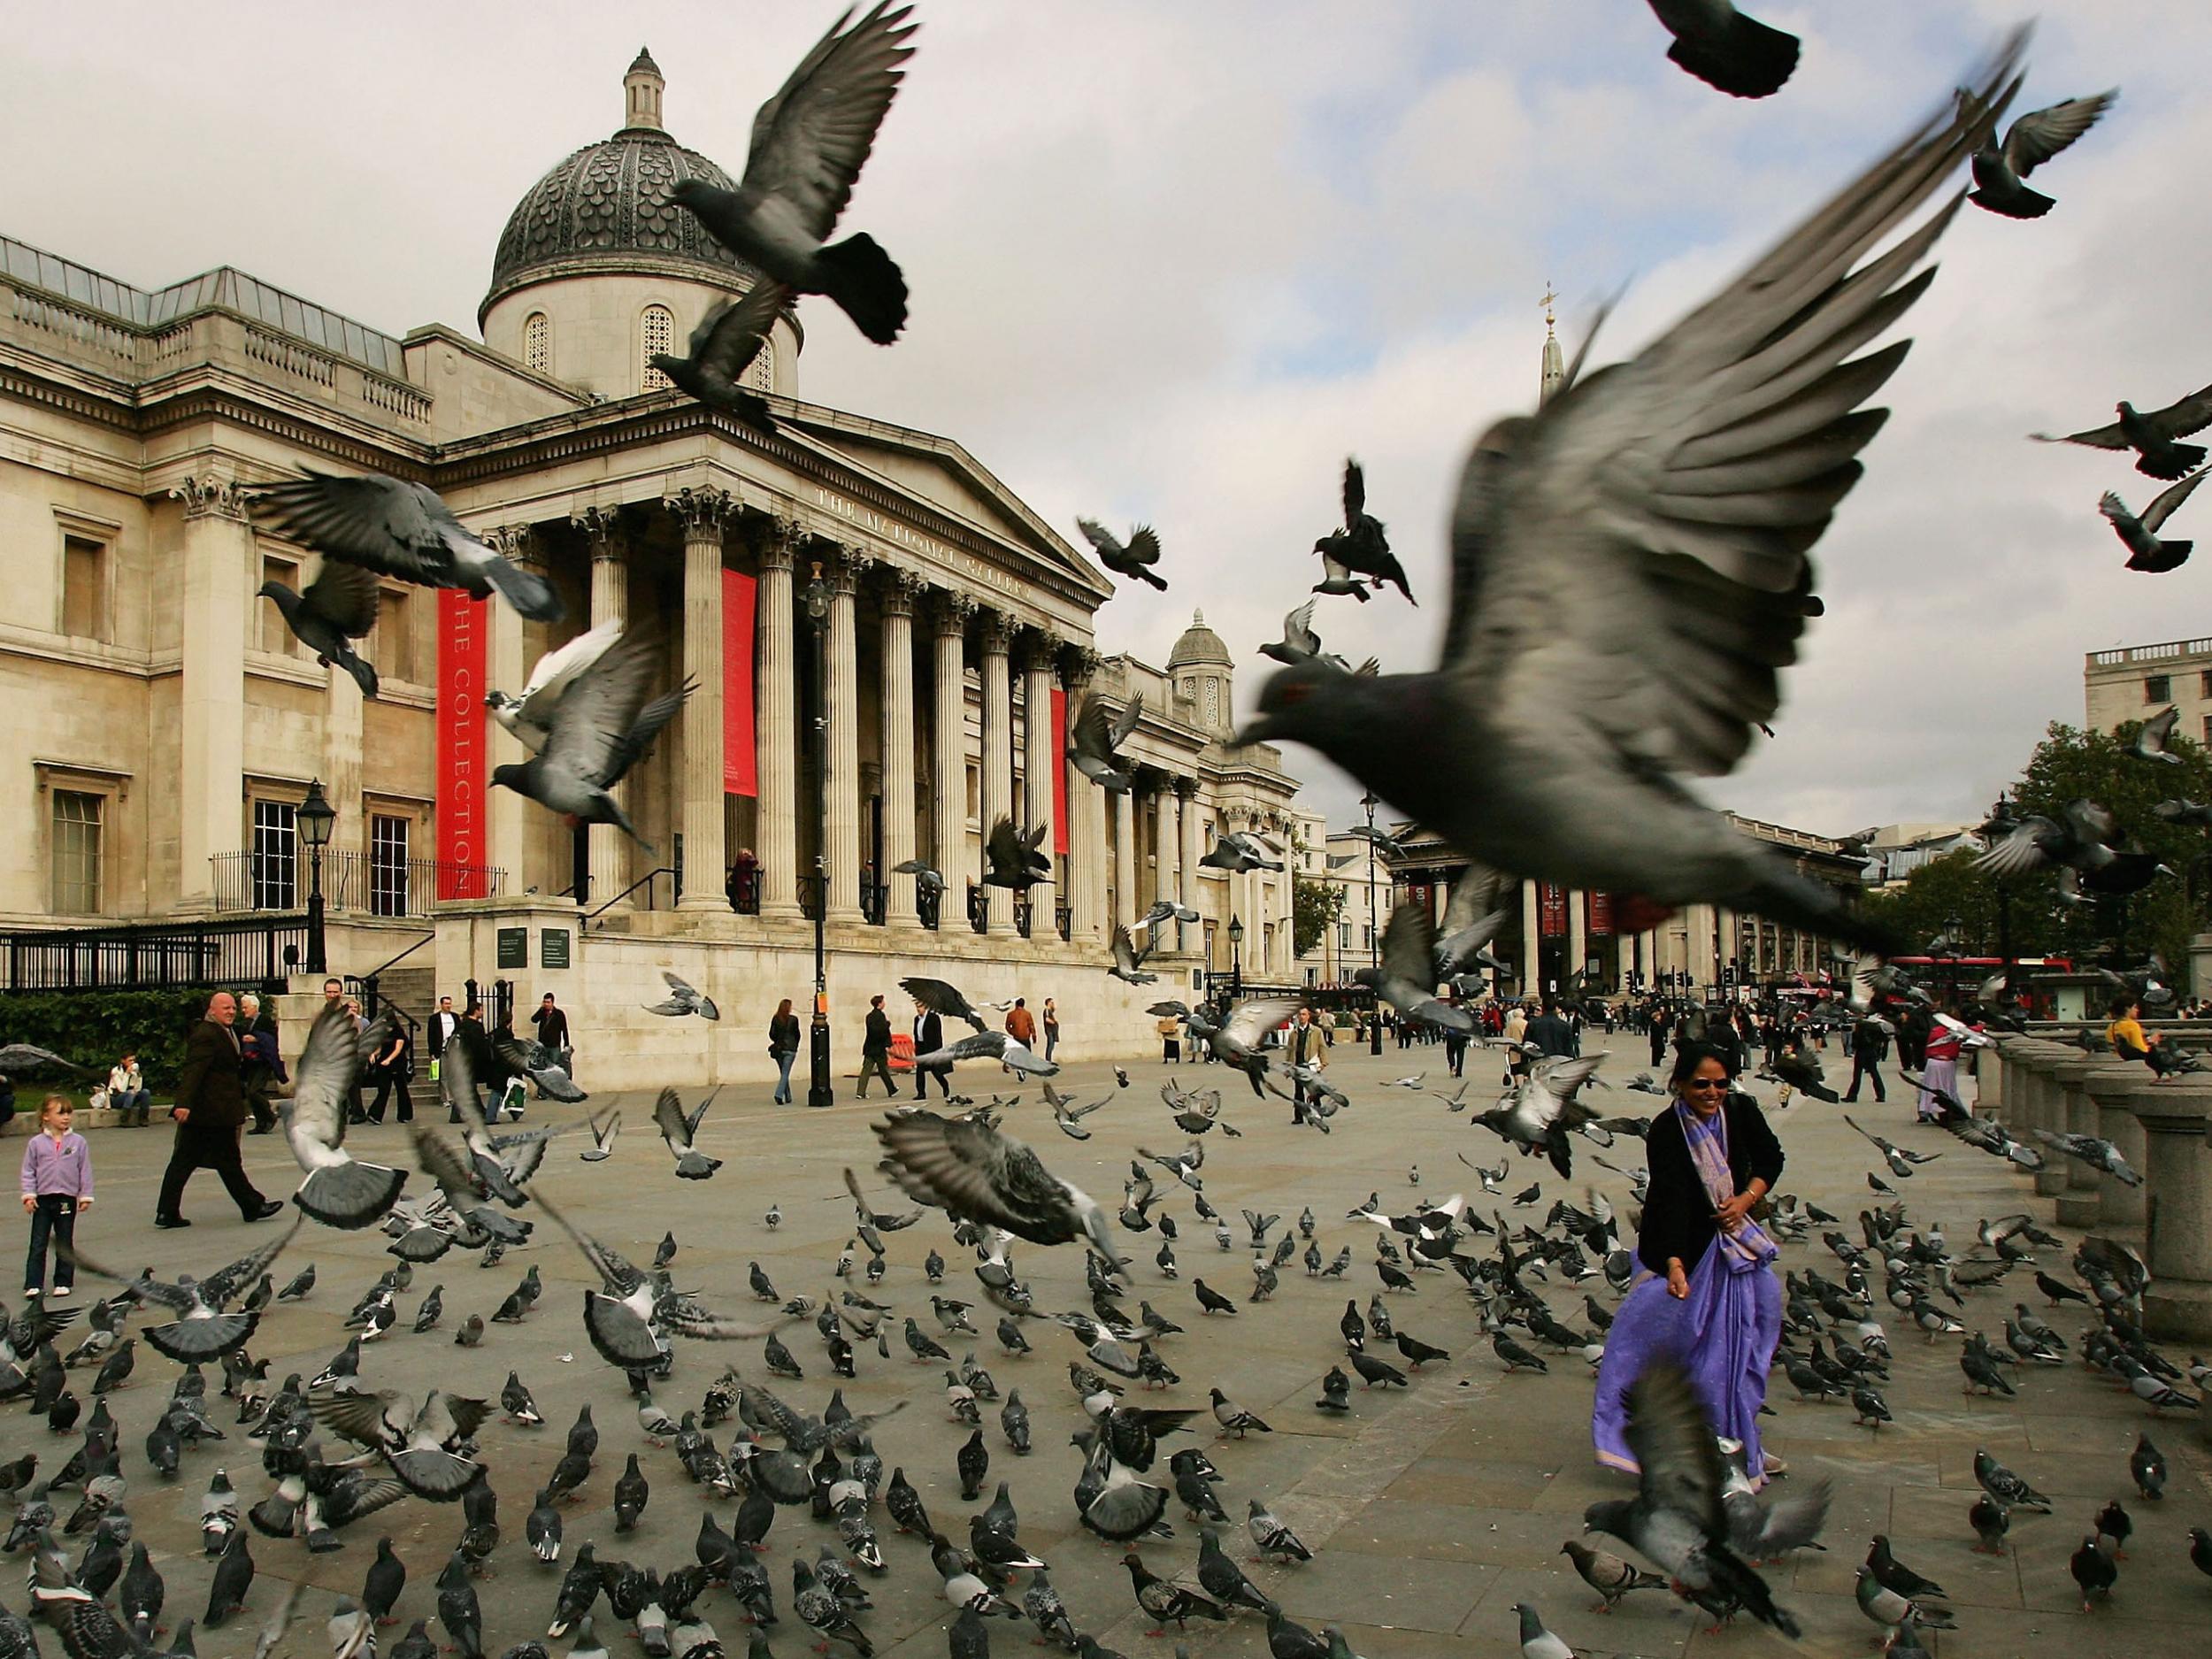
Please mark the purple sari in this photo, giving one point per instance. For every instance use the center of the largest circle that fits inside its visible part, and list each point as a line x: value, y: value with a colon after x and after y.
x: 1724, y: 1332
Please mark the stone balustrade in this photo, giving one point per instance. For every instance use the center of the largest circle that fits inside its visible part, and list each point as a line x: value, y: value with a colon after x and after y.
x: 2177, y: 1208
x: 2112, y: 1087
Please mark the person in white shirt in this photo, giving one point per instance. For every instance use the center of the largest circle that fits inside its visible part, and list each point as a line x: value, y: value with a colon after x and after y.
x: 126, y: 1091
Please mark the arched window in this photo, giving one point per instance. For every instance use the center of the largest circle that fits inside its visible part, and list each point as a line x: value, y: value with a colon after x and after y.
x: 537, y: 344
x: 760, y: 374
x: 657, y: 334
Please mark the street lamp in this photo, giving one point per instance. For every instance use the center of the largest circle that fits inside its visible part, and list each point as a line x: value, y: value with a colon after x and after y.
x: 1374, y: 961
x: 2000, y: 825
x: 1236, y: 958
x: 818, y: 608
x: 313, y: 818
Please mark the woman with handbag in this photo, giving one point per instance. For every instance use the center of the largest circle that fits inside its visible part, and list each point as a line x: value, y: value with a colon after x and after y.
x: 783, y: 1048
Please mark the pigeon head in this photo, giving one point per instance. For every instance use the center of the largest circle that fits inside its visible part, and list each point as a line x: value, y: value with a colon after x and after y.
x: 1313, y: 703
x: 513, y: 775
x: 287, y: 599
x: 1611, y: 1516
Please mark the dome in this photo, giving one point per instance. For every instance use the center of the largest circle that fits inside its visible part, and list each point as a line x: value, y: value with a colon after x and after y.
x: 1199, y: 644
x: 606, y: 208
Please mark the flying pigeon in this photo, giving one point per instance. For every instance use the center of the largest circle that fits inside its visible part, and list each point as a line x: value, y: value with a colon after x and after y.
x: 529, y: 717
x: 961, y: 1165
x: 1012, y: 858
x: 722, y: 347
x: 606, y: 721
x: 1361, y: 546
x: 2151, y: 435
x: 682, y: 999
x: 2031, y: 140
x: 679, y: 1130
x: 1738, y: 55
x: 340, y: 604
x: 340, y: 1190
x: 2146, y: 550
x: 1128, y: 961
x: 1133, y: 559
x: 1096, y: 737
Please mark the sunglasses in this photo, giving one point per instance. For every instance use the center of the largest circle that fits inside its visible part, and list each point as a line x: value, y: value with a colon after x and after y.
x: 1706, y: 1082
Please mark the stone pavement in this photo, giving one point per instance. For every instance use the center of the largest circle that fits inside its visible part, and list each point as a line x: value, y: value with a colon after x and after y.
x: 1430, y: 1511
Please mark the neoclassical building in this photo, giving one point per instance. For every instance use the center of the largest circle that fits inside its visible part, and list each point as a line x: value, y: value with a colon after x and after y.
x: 844, y: 579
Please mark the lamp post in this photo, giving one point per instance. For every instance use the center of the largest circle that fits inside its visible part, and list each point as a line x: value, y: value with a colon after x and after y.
x: 1374, y: 960
x: 817, y: 607
x: 313, y: 818
x: 1236, y: 958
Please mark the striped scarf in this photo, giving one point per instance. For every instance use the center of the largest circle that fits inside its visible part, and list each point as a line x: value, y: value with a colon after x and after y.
x: 1748, y: 1246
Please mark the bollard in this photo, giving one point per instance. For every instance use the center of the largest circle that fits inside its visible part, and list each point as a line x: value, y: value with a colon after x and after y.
x: 1989, y: 1079
x: 2050, y: 1114
x: 2078, y: 1205
x: 2177, y: 1193
x: 2111, y: 1088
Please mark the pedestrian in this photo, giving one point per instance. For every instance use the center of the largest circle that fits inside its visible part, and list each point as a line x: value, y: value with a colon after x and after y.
x: 875, y: 1050
x: 743, y: 888
x: 1455, y: 1048
x: 929, y: 1037
x: 1021, y: 1025
x: 1870, y: 1045
x: 209, y: 1113
x: 1940, y: 1072
x: 393, y: 1068
x: 128, y: 1097
x: 783, y: 1048
x: 57, y: 1184
x: 552, y: 1025
x: 1307, y: 1048
x: 476, y: 1046
x: 1171, y: 1029
x: 1552, y: 1035
x: 1052, y: 1028
x: 443, y: 1023
x: 263, y: 1064
x: 1705, y: 1294
x: 1515, y: 1032
x: 1657, y: 1028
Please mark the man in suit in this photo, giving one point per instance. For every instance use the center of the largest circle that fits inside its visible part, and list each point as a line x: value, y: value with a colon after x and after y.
x: 875, y: 1050
x: 443, y: 1023
x: 1309, y: 1046
x: 209, y: 1110
x: 929, y: 1037
x: 1550, y: 1034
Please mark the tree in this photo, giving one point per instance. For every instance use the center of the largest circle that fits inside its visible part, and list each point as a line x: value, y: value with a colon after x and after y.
x: 1314, y: 908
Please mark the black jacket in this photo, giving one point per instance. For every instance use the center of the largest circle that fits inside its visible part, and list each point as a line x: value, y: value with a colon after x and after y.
x: 1550, y: 1034
x: 783, y: 1033
x: 877, y: 1040
x: 441, y: 1029
x: 1678, y: 1213
x: 929, y: 1033
x: 211, y: 1088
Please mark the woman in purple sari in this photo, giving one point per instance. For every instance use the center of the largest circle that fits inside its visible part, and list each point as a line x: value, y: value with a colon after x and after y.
x: 1705, y: 1294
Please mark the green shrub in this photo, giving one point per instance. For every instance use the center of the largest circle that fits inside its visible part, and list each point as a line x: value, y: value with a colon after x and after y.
x: 94, y: 1028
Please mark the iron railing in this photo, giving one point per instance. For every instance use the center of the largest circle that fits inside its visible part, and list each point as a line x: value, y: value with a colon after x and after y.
x: 155, y: 955
x: 645, y: 881
x: 362, y: 883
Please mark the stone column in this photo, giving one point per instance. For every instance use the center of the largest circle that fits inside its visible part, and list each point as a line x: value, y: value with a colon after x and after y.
x: 1039, y: 766
x: 2112, y: 1087
x: 218, y: 572
x: 1186, y: 864
x: 2077, y: 1199
x: 1086, y: 827
x: 1699, y: 939
x: 948, y: 747
x: 897, y: 598
x: 706, y: 860
x: 842, y: 776
x: 1125, y: 857
x: 776, y: 723
x: 1532, y: 963
x: 998, y: 753
x: 610, y: 870
x: 2178, y: 1190
x: 1167, y: 875
x: 1578, y: 934
x: 2047, y: 1110
x: 503, y: 816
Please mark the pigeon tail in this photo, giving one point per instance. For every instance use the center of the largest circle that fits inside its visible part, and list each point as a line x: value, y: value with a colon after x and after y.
x: 528, y: 592
x: 351, y: 1195
x: 363, y: 674
x: 2174, y: 461
x: 1747, y: 59
x: 2018, y: 201
x: 861, y: 278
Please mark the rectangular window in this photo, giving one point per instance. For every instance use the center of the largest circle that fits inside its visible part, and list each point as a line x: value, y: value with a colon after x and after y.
x: 387, y: 865
x: 274, y: 636
x: 2208, y: 731
x: 2158, y: 688
x: 1344, y: 935
x: 391, y: 647
x: 84, y: 594
x: 275, y: 856
x: 1367, y: 937
x: 2204, y: 682
x: 77, y: 852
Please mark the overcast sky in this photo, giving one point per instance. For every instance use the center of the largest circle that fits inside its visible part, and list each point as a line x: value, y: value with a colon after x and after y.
x: 1175, y: 260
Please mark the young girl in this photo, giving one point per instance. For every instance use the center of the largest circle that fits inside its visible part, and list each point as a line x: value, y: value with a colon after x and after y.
x: 57, y: 1183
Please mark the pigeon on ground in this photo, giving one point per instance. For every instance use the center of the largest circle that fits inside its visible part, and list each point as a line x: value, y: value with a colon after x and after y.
x: 398, y: 529
x: 605, y: 723
x: 1233, y: 1418
x: 2093, y: 1571
x: 1133, y: 559
x: 2146, y: 1465
x: 1701, y: 559
x: 1736, y: 54
x: 2139, y: 533
x: 2151, y: 436
x: 1095, y: 741
x: 2006, y: 1488
x: 723, y: 346
x: 808, y: 143
x: 339, y: 606
x: 1609, y: 1575
x: 2031, y: 140
x: 1536, y: 1641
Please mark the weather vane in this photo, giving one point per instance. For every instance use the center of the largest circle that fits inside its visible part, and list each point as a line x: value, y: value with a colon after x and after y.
x: 1551, y: 298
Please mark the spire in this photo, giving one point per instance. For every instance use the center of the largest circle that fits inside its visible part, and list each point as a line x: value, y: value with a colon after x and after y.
x: 641, y: 85
x: 1197, y: 619
x: 1554, y: 371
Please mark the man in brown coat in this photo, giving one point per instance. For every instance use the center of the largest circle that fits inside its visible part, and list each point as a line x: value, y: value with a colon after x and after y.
x: 1021, y: 1025
x: 209, y: 1111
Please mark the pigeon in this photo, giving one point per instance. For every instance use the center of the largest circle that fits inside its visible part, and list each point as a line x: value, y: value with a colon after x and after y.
x: 2139, y: 533
x: 602, y: 1134
x: 678, y: 1131
x: 2151, y: 435
x: 1271, y: 1536
x: 1538, y: 1643
x: 1727, y: 50
x: 1012, y: 858
x: 1406, y: 978
x: 1990, y: 1520
x: 2093, y: 1571
x: 1233, y: 1418
x: 808, y: 144
x: 1128, y: 963
x: 2006, y: 1488
x: 722, y: 347
x: 340, y: 1190
x: 339, y: 605
x: 2031, y: 140
x: 941, y: 998
x: 606, y: 721
x: 528, y: 718
x: 1360, y: 547
x: 380, y: 1589
x: 1163, y: 1600
x: 1887, y: 1607
x: 1095, y: 738
x: 232, y: 1577
x: 1133, y: 559
x: 1337, y: 578
x: 1237, y: 852
x: 1677, y: 1520
x: 1609, y: 1575
x: 683, y: 999
x: 2146, y: 1465
x: 398, y: 529
x: 961, y: 1165
x: 1480, y: 751
x: 1299, y: 644
x: 204, y: 1330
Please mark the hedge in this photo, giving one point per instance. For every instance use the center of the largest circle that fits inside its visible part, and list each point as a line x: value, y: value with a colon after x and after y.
x: 95, y: 1028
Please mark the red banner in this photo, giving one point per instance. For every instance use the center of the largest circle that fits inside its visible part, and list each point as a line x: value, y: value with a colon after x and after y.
x: 1551, y: 910
x: 465, y: 639
x: 1601, y: 912
x: 1060, y: 773
x: 740, y: 761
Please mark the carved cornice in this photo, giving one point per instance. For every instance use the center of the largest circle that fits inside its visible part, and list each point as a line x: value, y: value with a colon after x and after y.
x: 900, y: 590
x: 516, y: 542
x: 951, y: 608
x: 775, y: 542
x: 1185, y: 789
x: 1042, y: 648
x: 703, y: 512
x: 999, y: 630
x: 1082, y: 667
x: 847, y: 564
x: 204, y: 494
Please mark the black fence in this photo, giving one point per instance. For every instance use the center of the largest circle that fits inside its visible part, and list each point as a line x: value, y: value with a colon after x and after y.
x: 367, y: 883
x: 248, y: 950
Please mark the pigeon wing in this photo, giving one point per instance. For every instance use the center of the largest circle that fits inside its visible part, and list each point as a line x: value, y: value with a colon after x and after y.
x: 1298, y: 632
x: 1007, y: 850
x: 974, y: 1171
x: 1144, y: 546
x: 1092, y: 739
x: 226, y: 1282
x: 321, y: 1077
x: 1684, y: 487
x: 668, y: 1118
x: 371, y: 520
x: 1126, y: 722
x: 1682, y: 1472
x: 635, y: 744
x: 345, y: 595
x: 1102, y: 540
x: 730, y: 337
x: 1125, y: 955
x: 2168, y: 500
x: 1354, y: 495
x: 809, y: 140
x: 22, y: 1056
x: 588, y: 729
x: 1409, y: 946
x: 553, y: 670
x: 938, y: 997
x: 1249, y: 1022
x: 2040, y: 134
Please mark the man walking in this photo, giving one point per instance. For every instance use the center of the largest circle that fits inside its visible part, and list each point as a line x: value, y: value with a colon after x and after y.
x: 1309, y: 1046
x: 929, y: 1037
x: 443, y: 1023
x: 1021, y: 1025
x: 209, y: 1110
x: 552, y: 1024
x: 1553, y: 1036
x: 264, y: 1067
x: 1869, y: 1044
x: 875, y: 1050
